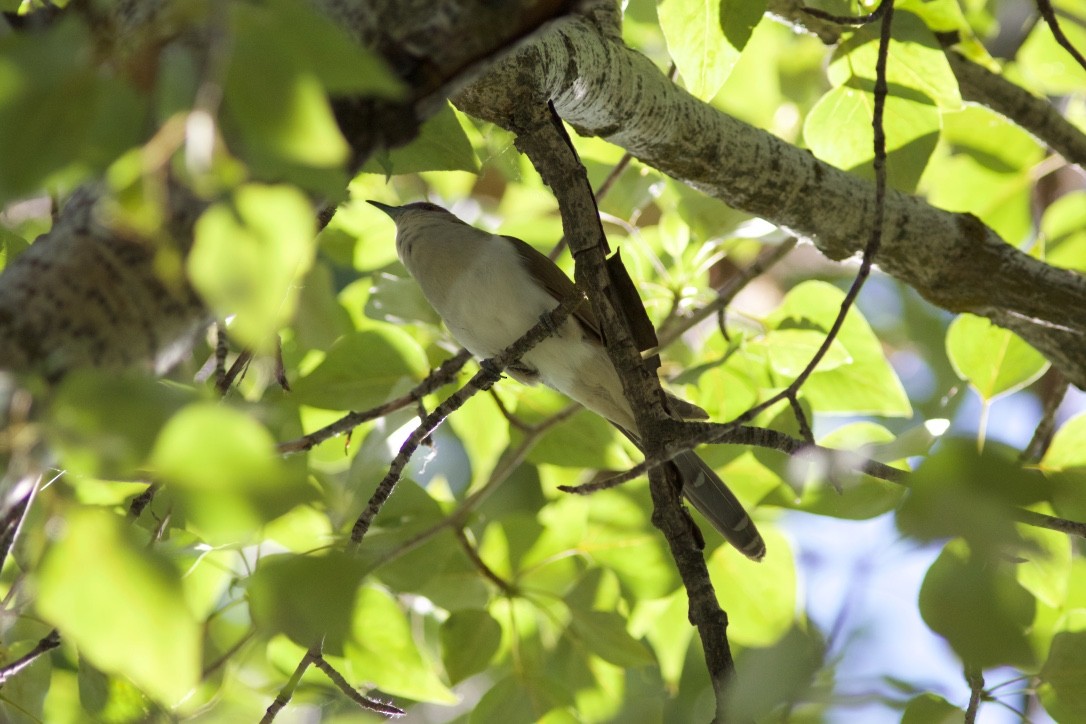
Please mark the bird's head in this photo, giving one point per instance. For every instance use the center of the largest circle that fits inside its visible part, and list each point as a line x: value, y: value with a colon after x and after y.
x: 418, y: 211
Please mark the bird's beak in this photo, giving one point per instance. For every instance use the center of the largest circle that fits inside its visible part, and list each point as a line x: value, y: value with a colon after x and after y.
x: 393, y: 211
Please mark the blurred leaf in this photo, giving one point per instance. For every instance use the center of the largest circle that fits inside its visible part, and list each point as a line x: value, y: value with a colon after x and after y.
x: 1063, y: 230
x: 398, y: 299
x: 104, y: 424
x: 995, y: 361
x: 978, y: 607
x: 663, y: 621
x: 223, y: 470
x: 441, y: 145
x: 57, y: 113
x: 931, y: 709
x: 309, y: 598
x: 1050, y: 69
x: 469, y: 640
x: 774, y: 676
x: 760, y: 598
x: 1062, y: 675
x: 705, y: 37
x: 604, y: 634
x: 248, y: 257
x: 11, y: 246
x: 868, y: 385
x: 362, y: 370
x: 960, y: 492
x: 121, y: 603
x: 1067, y: 450
x: 518, y: 700
x: 109, y: 698
x: 382, y: 649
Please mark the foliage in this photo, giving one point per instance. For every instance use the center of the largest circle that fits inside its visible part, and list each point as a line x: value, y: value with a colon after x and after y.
x: 481, y: 585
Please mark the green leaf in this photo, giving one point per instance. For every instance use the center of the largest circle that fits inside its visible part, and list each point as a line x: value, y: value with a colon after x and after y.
x: 995, y: 361
x: 109, y: 698
x: 248, y: 257
x: 1067, y: 450
x: 931, y: 709
x: 585, y: 440
x: 1062, y: 675
x: 519, y: 700
x: 382, y: 649
x: 308, y: 598
x: 705, y: 37
x: 978, y: 607
x: 1047, y: 65
x: 362, y: 370
x: 960, y: 492
x: 104, y: 424
x: 791, y: 350
x: 121, y: 603
x: 50, y: 100
x: 223, y: 470
x: 916, y: 69
x: 604, y: 634
x: 760, y: 598
x: 663, y: 621
x: 441, y: 145
x: 771, y: 676
x: 1063, y: 230
x: 838, y: 130
x: 11, y: 246
x: 469, y: 640
x: 868, y: 385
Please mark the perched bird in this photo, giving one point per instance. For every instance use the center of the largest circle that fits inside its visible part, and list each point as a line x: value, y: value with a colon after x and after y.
x: 491, y: 289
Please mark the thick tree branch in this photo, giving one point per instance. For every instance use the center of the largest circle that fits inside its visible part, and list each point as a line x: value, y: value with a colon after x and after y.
x: 603, y: 88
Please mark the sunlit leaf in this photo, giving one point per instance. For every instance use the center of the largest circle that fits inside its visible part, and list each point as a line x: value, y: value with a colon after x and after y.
x: 705, y: 37
x: 362, y: 370
x: 382, y: 649
x: 441, y: 145
x: 978, y: 607
x: 309, y: 598
x: 1062, y: 674
x: 121, y: 603
x: 248, y: 257
x: 995, y: 361
x: 469, y: 640
x: 604, y: 634
x: 760, y: 598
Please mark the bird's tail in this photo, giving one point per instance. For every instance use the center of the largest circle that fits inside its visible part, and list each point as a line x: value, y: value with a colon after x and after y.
x: 712, y: 498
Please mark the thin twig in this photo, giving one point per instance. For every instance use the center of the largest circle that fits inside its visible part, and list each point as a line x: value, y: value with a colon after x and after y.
x: 363, y: 701
x: 871, y: 17
x: 488, y: 374
x: 1049, y: 14
x: 886, y: 8
x: 765, y: 260
x: 507, y: 588
x: 975, y: 678
x: 49, y: 642
x: 1046, y: 428
x: 435, y: 380
x: 287, y: 692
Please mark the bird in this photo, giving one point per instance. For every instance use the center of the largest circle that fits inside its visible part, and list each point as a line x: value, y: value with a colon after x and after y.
x: 490, y: 289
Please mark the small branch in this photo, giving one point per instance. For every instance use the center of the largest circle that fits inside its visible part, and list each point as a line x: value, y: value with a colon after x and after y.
x: 874, y: 242
x: 435, y: 380
x: 287, y: 692
x: 766, y: 260
x: 373, y: 705
x: 489, y: 373
x: 49, y: 642
x: 1046, y: 428
x: 1049, y: 14
x: 506, y: 587
x: 976, y: 693
x: 871, y: 17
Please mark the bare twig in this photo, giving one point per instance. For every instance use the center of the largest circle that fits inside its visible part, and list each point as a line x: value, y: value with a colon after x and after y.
x: 435, y: 380
x: 975, y: 678
x: 287, y: 692
x: 1049, y: 14
x: 363, y: 701
x: 506, y: 587
x: 1042, y: 435
x: 49, y: 642
x: 489, y: 373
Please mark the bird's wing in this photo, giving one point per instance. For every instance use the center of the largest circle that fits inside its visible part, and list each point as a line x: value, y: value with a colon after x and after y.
x: 555, y: 281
